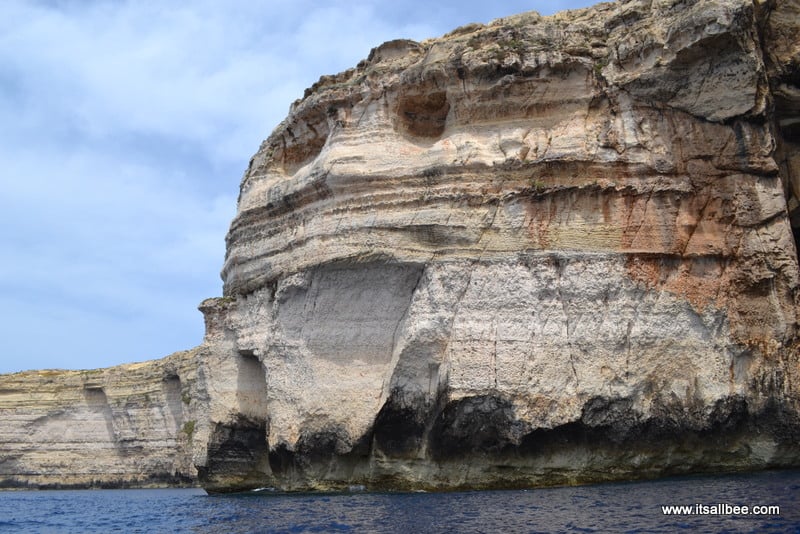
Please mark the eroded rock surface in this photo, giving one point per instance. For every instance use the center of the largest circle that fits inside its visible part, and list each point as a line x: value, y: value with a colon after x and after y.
x: 544, y: 250
x: 125, y: 426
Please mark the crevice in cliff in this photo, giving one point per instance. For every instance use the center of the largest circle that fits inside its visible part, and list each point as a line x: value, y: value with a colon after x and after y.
x: 171, y: 387
x: 774, y: 21
x: 401, y: 424
x: 787, y: 155
x: 97, y: 402
x: 238, y: 456
x: 251, y: 385
x: 480, y: 424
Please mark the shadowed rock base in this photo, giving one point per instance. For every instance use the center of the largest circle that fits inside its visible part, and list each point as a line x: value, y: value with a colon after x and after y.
x: 474, y: 443
x: 237, y: 457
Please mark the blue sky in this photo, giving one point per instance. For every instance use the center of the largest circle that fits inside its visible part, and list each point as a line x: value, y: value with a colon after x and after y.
x: 124, y: 131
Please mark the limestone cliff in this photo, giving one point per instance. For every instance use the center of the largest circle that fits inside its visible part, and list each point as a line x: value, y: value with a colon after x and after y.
x: 126, y: 426
x: 544, y: 250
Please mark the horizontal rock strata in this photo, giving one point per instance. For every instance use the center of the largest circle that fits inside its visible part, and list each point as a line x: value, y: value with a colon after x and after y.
x: 126, y: 426
x: 545, y: 250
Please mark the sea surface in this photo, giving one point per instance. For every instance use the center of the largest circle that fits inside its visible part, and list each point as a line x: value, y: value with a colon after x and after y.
x: 625, y: 507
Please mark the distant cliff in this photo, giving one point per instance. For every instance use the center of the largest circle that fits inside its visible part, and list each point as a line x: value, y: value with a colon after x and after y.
x: 546, y: 250
x: 126, y: 426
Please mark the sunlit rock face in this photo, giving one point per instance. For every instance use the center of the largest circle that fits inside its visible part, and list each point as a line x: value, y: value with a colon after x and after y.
x: 126, y: 426
x: 545, y: 250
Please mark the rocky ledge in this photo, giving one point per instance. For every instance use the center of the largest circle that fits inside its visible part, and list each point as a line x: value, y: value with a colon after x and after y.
x: 546, y: 250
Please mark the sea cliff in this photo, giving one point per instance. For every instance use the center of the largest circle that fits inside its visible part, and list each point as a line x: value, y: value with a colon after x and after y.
x: 125, y: 426
x: 545, y: 250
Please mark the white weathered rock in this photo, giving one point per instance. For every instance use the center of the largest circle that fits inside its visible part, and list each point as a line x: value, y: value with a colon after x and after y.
x: 544, y: 250
x: 131, y: 425
x: 546, y: 236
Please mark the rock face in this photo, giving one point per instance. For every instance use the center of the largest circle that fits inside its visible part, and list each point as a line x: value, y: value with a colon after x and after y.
x: 124, y: 426
x: 546, y: 250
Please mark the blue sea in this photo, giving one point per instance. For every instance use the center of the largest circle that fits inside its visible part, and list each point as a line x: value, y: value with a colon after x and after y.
x: 626, y: 507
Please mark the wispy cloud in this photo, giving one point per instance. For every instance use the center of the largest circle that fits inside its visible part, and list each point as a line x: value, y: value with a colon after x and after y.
x: 124, y: 129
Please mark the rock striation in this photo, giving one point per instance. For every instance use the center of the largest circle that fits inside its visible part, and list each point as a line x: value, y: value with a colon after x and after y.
x: 546, y: 250
x: 125, y: 426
